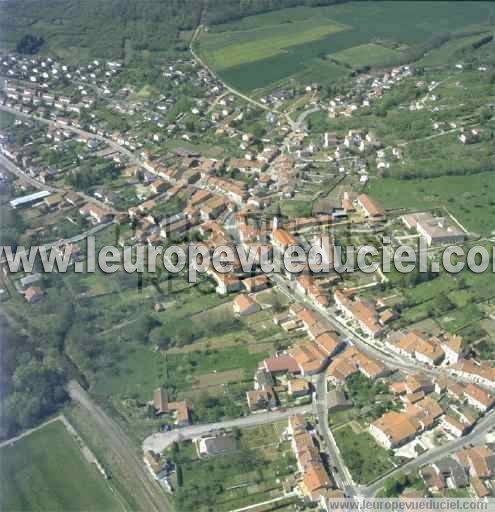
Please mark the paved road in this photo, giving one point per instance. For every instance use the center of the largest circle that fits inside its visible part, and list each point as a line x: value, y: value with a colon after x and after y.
x: 154, y: 499
x: 9, y: 166
x: 342, y: 476
x: 110, y: 142
x: 394, y: 362
x: 13, y: 169
x: 299, y: 124
x: 202, y: 63
x: 65, y: 241
x: 159, y: 441
x: 391, y: 360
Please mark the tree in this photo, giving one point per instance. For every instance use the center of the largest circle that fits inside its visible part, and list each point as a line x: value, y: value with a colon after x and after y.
x: 441, y: 304
x: 29, y: 44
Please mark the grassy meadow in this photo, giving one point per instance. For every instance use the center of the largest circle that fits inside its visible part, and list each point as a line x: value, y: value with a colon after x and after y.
x: 46, y: 471
x: 468, y: 198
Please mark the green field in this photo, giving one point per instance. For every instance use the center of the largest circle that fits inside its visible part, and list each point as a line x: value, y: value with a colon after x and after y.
x: 469, y: 198
x: 364, y: 458
x: 257, y: 44
x: 255, y: 53
x: 47, y: 472
x: 365, y: 55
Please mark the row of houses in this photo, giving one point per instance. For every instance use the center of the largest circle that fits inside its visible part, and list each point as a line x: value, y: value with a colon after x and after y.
x: 315, y: 482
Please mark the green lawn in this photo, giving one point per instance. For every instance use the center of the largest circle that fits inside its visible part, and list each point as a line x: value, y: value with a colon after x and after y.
x: 469, y: 198
x: 139, y: 370
x: 364, y: 458
x: 47, y: 472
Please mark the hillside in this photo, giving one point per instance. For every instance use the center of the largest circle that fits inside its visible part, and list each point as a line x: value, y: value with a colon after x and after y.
x: 325, y: 43
x: 84, y: 29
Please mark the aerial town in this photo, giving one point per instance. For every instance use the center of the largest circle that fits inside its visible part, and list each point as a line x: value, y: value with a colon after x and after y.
x: 252, y: 390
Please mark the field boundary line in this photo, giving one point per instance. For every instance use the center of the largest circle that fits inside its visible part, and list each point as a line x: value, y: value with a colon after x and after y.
x: 26, y: 433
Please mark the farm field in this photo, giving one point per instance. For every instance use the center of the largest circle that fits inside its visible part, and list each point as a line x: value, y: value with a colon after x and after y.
x: 255, y: 53
x: 365, y: 55
x: 258, y: 44
x: 46, y: 471
x: 468, y: 198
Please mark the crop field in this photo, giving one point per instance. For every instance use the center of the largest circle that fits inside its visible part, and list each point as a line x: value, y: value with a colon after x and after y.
x: 258, y: 44
x: 46, y: 471
x: 259, y: 51
x: 365, y: 55
x: 468, y: 198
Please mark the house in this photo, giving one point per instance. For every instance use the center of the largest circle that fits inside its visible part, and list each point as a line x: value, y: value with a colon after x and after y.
x: 281, y: 365
x: 158, y: 186
x: 479, y: 373
x: 263, y: 379
x: 329, y: 342
x: 393, y: 429
x: 160, y: 400
x: 215, y: 445
x: 298, y: 388
x: 30, y: 279
x: 182, y: 414
x: 315, y: 481
x: 363, y: 313
x: 73, y: 198
x: 470, y: 137
x: 435, y: 230
x: 479, y: 398
x: 371, y: 209
x: 310, y: 358
x: 479, y: 461
x: 53, y: 200
x: 153, y: 463
x: 282, y: 239
x: 453, y: 426
x: 479, y: 488
x: 424, y: 349
x: 451, y: 472
x: 261, y: 399
x: 244, y: 305
x: 33, y: 294
x: 453, y: 348
x: 226, y: 283
x: 256, y: 283
x: 98, y: 214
